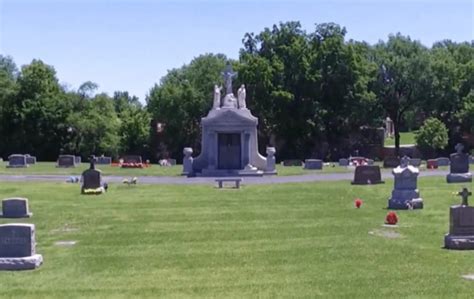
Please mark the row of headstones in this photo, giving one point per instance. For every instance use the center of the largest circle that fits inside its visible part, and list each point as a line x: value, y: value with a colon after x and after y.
x: 405, y: 195
x: 19, y: 161
x: 389, y: 162
x: 18, y: 240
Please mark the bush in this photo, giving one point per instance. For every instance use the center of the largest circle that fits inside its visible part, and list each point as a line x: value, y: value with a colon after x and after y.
x: 432, y: 136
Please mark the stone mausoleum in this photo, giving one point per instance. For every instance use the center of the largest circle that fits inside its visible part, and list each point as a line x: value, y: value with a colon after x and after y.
x: 229, y: 138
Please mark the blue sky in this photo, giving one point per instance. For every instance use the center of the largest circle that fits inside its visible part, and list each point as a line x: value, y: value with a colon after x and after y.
x: 129, y: 45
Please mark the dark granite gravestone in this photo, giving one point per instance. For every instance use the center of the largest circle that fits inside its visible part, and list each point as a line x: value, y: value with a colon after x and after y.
x: 461, y: 224
x: 292, y: 162
x: 414, y: 162
x: 18, y: 247
x: 103, y: 160
x: 313, y: 164
x: 391, y: 162
x: 459, y: 167
x: 66, y: 161
x: 443, y: 161
x: 17, y: 161
x: 15, y: 208
x: 367, y: 175
x: 30, y: 160
x: 92, y: 180
x: 405, y: 194
x: 343, y: 162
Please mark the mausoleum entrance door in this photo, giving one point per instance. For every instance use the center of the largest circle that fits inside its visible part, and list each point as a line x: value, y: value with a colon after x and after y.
x: 229, y: 150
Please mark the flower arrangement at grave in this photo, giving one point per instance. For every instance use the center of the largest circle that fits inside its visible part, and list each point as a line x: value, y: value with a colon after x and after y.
x: 391, y: 218
x: 133, y: 165
x: 358, y: 202
x: 93, y: 191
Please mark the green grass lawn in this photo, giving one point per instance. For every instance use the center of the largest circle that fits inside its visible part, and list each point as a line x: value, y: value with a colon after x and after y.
x: 405, y: 138
x: 154, y: 170
x: 50, y: 168
x: 288, y: 240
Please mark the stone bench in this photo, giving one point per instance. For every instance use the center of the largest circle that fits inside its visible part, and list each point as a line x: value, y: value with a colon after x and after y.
x: 236, y: 181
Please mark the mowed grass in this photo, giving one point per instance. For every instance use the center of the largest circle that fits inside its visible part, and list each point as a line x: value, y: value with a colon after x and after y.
x: 50, y: 168
x: 287, y: 240
x: 405, y: 138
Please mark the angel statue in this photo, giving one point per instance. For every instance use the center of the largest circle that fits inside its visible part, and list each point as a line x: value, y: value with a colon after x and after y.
x: 241, y: 93
x: 217, y: 97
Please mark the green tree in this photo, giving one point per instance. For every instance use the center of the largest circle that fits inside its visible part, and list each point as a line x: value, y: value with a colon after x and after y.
x: 404, y: 78
x: 94, y: 130
x: 432, y: 136
x: 183, y: 96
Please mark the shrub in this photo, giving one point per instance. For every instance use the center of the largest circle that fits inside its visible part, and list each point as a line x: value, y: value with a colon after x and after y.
x: 432, y: 136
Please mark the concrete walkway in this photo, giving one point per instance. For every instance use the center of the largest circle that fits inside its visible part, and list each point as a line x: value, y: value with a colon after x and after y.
x: 313, y: 177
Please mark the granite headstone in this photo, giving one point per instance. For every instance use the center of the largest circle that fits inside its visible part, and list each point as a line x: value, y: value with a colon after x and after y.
x: 367, y: 175
x: 66, y: 161
x: 16, y: 207
x: 405, y: 194
x: 18, y: 247
x: 343, y: 162
x: 442, y: 161
x: 17, y: 161
x: 313, y: 164
x: 459, y: 167
x: 461, y: 224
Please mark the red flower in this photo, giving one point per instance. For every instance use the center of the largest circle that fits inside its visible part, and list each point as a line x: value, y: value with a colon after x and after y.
x: 391, y: 218
x: 358, y: 202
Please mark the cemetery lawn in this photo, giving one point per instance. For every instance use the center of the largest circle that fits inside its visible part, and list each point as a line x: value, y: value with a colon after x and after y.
x: 405, y: 138
x: 286, y: 240
x: 154, y: 170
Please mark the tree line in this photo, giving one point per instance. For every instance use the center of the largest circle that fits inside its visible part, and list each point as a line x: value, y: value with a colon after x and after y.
x: 312, y: 92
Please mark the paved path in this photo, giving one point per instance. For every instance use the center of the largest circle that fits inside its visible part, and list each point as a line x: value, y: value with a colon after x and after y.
x: 313, y: 177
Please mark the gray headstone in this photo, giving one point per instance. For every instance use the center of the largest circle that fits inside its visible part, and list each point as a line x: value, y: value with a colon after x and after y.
x: 461, y: 224
x: 370, y: 162
x: 471, y: 159
x: 17, y: 161
x: 292, y: 162
x: 443, y: 161
x: 18, y: 247
x: 15, y: 208
x: 391, y: 162
x: 459, y: 168
x: 367, y: 175
x: 78, y: 159
x: 313, y: 164
x: 66, y: 161
x: 171, y: 161
x: 103, y: 160
x: 343, y: 162
x: 405, y: 194
x: 30, y: 160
